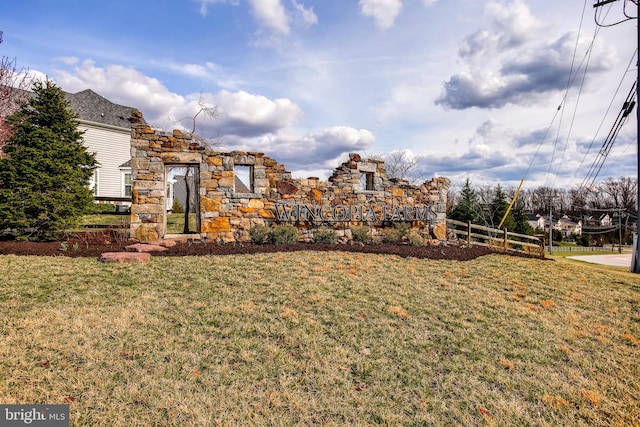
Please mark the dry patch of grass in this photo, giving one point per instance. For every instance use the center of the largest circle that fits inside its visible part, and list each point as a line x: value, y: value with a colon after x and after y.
x: 321, y: 338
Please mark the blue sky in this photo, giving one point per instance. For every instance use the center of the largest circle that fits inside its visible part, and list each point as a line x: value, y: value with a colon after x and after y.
x: 469, y: 87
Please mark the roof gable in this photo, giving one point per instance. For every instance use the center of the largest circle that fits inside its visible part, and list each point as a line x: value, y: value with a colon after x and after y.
x: 92, y: 107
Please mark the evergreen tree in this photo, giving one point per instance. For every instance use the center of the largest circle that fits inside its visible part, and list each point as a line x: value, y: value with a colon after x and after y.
x: 521, y: 217
x: 499, y: 206
x: 44, y: 178
x: 469, y: 206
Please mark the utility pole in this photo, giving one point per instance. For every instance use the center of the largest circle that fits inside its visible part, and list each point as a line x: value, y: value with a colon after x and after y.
x: 550, y: 224
x: 635, y: 257
x: 551, y: 199
x: 619, y: 230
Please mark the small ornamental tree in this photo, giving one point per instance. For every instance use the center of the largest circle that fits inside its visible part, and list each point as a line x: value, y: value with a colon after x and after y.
x: 44, y: 178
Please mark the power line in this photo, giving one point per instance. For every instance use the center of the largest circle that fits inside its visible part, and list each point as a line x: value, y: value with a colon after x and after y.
x: 613, y: 98
x: 572, y: 77
x: 602, y: 3
x: 622, y: 118
x: 575, y: 112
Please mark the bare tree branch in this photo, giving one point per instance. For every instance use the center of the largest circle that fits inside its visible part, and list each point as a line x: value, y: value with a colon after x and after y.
x: 191, y: 123
x: 14, y: 90
x: 401, y: 164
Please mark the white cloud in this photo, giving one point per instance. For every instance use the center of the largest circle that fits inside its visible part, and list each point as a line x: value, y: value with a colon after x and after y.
x: 247, y: 115
x: 303, y: 16
x: 320, y: 149
x: 204, y: 5
x: 511, y: 26
x: 208, y: 71
x: 67, y: 60
x: 384, y: 12
x: 271, y: 14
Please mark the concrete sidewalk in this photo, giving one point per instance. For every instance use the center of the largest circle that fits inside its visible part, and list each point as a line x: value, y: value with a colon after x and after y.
x: 618, y: 260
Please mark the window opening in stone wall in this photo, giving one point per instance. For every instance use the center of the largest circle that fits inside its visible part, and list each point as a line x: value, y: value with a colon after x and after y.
x: 366, y: 181
x: 182, y: 201
x: 244, y: 179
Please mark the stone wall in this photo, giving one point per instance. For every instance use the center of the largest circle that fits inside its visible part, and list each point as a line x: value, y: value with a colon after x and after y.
x: 358, y: 193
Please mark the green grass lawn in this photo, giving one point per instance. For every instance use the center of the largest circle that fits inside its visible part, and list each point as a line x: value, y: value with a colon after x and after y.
x: 107, y: 220
x: 175, y: 223
x: 322, y: 338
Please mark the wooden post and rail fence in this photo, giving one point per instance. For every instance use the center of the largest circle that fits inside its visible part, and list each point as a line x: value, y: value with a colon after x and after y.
x: 479, y: 235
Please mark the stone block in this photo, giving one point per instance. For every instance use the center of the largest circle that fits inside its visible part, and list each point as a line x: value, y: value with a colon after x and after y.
x: 259, y: 173
x: 148, y: 185
x: 367, y: 167
x: 314, y: 194
x: 147, y: 208
x: 248, y: 210
x: 214, y: 160
x: 227, y: 182
x: 145, y: 247
x: 440, y: 231
x: 266, y: 213
x: 209, y: 204
x: 209, y: 184
x: 216, y: 225
x: 256, y: 204
x: 140, y: 143
x: 227, y: 163
x: 147, y: 233
x: 125, y: 257
x: 140, y: 163
x: 181, y: 157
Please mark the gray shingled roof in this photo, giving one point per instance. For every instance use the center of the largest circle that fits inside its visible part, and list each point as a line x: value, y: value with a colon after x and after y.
x: 92, y: 107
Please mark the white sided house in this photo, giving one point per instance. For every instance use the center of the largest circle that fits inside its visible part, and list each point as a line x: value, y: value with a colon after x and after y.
x: 107, y: 133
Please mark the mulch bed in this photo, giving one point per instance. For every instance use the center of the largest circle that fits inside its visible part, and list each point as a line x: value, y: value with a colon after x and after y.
x: 94, y: 244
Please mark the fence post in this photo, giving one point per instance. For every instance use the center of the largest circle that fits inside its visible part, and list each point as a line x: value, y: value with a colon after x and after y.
x: 506, y: 240
x: 469, y: 233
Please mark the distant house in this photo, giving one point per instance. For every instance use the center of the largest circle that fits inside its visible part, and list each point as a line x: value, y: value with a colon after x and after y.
x: 606, y: 221
x: 567, y: 227
x: 108, y: 134
x: 536, y: 221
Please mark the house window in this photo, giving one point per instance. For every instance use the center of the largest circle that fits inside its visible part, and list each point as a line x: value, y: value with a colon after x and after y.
x: 126, y: 184
x: 366, y: 181
x: 244, y: 179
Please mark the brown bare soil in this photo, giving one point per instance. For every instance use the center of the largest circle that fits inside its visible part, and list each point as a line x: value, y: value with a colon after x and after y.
x: 95, y: 243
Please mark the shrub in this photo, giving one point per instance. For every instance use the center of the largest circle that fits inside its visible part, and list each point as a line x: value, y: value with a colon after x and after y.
x: 177, y: 207
x: 399, y: 231
x: 389, y: 235
x: 283, y: 234
x: 416, y: 239
x: 325, y: 235
x: 259, y: 234
x: 361, y: 234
